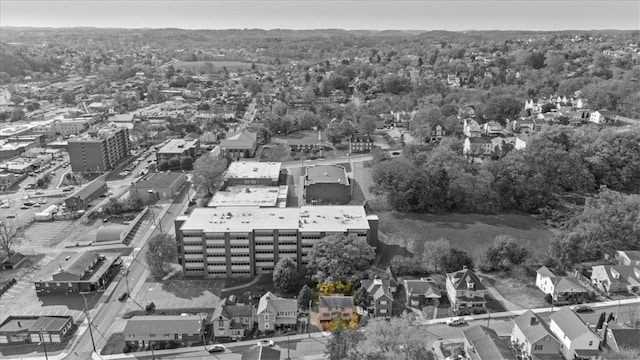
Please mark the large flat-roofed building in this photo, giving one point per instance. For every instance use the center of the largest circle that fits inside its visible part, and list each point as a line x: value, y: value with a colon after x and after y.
x: 326, y: 184
x: 245, y: 241
x: 98, y: 151
x: 78, y: 272
x: 255, y: 196
x: 178, y: 148
x: 35, y: 329
x: 253, y: 173
x: 159, y: 186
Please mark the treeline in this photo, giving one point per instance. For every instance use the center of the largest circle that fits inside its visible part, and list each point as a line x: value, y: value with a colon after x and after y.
x: 557, y: 160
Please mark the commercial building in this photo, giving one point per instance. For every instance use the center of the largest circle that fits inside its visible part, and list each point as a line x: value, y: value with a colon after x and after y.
x: 159, y: 186
x: 178, y: 148
x: 66, y: 127
x: 98, y: 151
x: 260, y: 196
x: 245, y: 241
x: 72, y: 272
x: 242, y: 145
x: 83, y: 197
x: 253, y: 173
x: 326, y: 184
x: 35, y: 329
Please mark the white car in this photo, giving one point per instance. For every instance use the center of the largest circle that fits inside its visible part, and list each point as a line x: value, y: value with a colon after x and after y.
x: 216, y: 348
x: 456, y: 321
x: 5, y: 206
x: 266, y: 343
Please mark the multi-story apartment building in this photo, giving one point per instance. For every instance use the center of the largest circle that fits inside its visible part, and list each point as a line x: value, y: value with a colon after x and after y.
x: 245, y: 241
x: 100, y: 150
x: 177, y: 148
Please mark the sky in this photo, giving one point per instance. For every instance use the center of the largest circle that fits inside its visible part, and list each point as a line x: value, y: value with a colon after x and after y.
x: 453, y: 15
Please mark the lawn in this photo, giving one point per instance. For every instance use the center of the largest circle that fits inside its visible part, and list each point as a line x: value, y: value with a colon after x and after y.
x: 470, y: 232
x: 520, y: 290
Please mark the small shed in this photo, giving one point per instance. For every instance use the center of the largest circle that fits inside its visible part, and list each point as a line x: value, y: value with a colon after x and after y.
x: 13, y: 261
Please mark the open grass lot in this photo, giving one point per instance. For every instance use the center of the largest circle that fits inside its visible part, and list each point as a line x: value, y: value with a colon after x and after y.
x: 470, y: 232
x: 203, y: 66
x: 179, y: 294
x: 519, y: 290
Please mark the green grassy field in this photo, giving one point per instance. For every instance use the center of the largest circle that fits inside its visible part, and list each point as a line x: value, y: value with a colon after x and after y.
x: 204, y: 66
x: 470, y: 232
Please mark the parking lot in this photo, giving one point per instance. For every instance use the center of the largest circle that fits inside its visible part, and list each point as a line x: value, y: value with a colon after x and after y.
x: 41, y: 234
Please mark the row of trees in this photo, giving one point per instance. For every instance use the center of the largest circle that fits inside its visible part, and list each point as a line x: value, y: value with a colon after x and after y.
x: 557, y: 159
x: 175, y: 163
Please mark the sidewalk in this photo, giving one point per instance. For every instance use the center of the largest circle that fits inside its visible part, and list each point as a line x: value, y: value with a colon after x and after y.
x: 249, y: 284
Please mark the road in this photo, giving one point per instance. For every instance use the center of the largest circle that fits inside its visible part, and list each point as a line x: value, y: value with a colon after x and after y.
x: 137, y: 273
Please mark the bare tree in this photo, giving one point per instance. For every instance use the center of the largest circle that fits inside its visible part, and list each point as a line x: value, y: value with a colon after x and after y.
x: 9, y: 237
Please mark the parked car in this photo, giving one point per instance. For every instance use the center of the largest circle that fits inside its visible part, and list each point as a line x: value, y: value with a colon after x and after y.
x: 5, y: 206
x: 105, y: 219
x: 266, y: 342
x: 123, y: 296
x: 28, y: 203
x: 456, y: 321
x: 11, y: 216
x: 582, y: 309
x: 216, y: 348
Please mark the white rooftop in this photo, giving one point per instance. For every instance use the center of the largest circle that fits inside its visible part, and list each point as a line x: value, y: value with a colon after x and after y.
x: 253, y: 170
x: 175, y: 146
x: 305, y: 219
x: 260, y: 196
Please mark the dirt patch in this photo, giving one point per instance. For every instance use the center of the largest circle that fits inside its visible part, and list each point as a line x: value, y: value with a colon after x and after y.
x: 521, y: 291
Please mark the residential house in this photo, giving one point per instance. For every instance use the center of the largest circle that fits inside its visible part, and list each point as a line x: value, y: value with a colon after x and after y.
x: 603, y: 117
x: 380, y: 295
x: 275, y: 312
x: 563, y: 289
x: 261, y: 353
x: 393, y: 280
x: 421, y: 292
x: 465, y: 290
x: 35, y: 329
x: 492, y: 128
x: 483, y: 343
x: 438, y: 131
x: 232, y: 321
x: 616, y: 278
x: 144, y: 330
x: 453, y: 80
x: 577, y: 340
x: 326, y: 184
x: 477, y: 146
x: 471, y: 128
x: 75, y: 272
x: 241, y: 145
x: 628, y: 257
x: 523, y: 125
x: 361, y: 143
x: 532, y: 338
x: 330, y: 307
x: 521, y: 142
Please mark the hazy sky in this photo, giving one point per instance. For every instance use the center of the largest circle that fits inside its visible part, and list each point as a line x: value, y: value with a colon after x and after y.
x: 314, y: 14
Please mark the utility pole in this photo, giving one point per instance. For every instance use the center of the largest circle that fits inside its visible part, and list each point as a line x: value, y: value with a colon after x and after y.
x: 44, y: 345
x: 86, y: 311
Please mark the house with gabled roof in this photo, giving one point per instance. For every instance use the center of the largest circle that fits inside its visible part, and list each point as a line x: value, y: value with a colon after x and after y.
x: 616, y: 278
x: 563, y: 289
x: 421, y: 292
x: 275, y: 312
x: 381, y: 296
x: 532, y: 338
x: 154, y: 328
x: 483, y: 343
x: 477, y: 146
x: 621, y: 339
x: 577, y: 340
x: 330, y: 307
x: 231, y: 320
x: 241, y: 145
x: 628, y: 257
x: 471, y: 128
x: 465, y: 290
x: 438, y: 131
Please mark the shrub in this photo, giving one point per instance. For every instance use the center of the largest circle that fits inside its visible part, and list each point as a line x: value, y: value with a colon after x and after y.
x: 548, y: 298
